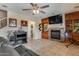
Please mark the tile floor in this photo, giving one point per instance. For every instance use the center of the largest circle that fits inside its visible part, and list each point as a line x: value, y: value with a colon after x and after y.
x: 45, y: 47
x: 8, y: 51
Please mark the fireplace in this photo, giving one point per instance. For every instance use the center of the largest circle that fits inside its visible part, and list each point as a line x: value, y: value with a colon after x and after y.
x: 55, y: 34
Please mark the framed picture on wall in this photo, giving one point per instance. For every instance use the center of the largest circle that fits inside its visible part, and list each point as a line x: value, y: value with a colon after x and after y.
x: 45, y: 27
x: 0, y: 25
x: 23, y: 23
x: 12, y: 22
x: 3, y: 18
x: 4, y: 22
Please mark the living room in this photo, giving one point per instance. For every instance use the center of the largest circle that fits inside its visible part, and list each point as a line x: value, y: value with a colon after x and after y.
x: 38, y: 28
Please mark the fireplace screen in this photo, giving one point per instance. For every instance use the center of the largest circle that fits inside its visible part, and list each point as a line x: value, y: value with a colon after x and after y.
x: 55, y: 34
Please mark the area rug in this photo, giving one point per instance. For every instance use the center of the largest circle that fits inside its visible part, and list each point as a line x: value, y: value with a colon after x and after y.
x: 25, y: 51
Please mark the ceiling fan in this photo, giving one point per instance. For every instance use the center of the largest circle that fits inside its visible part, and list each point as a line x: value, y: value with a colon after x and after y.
x: 36, y: 9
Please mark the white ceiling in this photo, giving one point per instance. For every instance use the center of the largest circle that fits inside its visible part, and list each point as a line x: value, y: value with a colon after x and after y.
x: 55, y: 8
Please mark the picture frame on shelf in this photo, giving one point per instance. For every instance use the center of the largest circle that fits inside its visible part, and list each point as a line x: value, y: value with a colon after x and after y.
x: 12, y: 22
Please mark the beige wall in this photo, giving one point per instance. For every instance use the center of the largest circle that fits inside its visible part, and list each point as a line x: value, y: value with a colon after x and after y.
x: 37, y: 31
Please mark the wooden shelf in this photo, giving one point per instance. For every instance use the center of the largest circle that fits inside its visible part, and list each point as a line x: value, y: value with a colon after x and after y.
x: 71, y: 21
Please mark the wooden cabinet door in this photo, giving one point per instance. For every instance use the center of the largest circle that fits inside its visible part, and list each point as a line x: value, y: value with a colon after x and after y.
x: 44, y: 33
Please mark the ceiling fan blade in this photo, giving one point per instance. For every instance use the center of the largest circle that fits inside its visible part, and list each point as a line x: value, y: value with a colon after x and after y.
x: 26, y: 9
x: 46, y: 6
x: 32, y: 4
x: 42, y: 11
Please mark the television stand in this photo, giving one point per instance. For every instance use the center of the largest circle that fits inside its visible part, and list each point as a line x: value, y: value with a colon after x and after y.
x: 20, y: 37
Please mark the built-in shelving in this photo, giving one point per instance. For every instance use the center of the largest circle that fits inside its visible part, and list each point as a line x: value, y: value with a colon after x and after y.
x: 72, y: 25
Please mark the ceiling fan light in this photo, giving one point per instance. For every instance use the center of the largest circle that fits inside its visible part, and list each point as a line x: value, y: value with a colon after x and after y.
x: 34, y: 11
x: 37, y: 11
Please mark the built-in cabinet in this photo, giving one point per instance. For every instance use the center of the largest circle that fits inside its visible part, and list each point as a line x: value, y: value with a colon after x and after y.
x: 72, y: 25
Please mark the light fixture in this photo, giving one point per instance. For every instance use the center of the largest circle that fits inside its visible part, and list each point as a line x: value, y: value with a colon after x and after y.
x: 35, y: 11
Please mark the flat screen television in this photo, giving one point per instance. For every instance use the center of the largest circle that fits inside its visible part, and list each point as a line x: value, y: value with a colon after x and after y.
x: 55, y: 19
